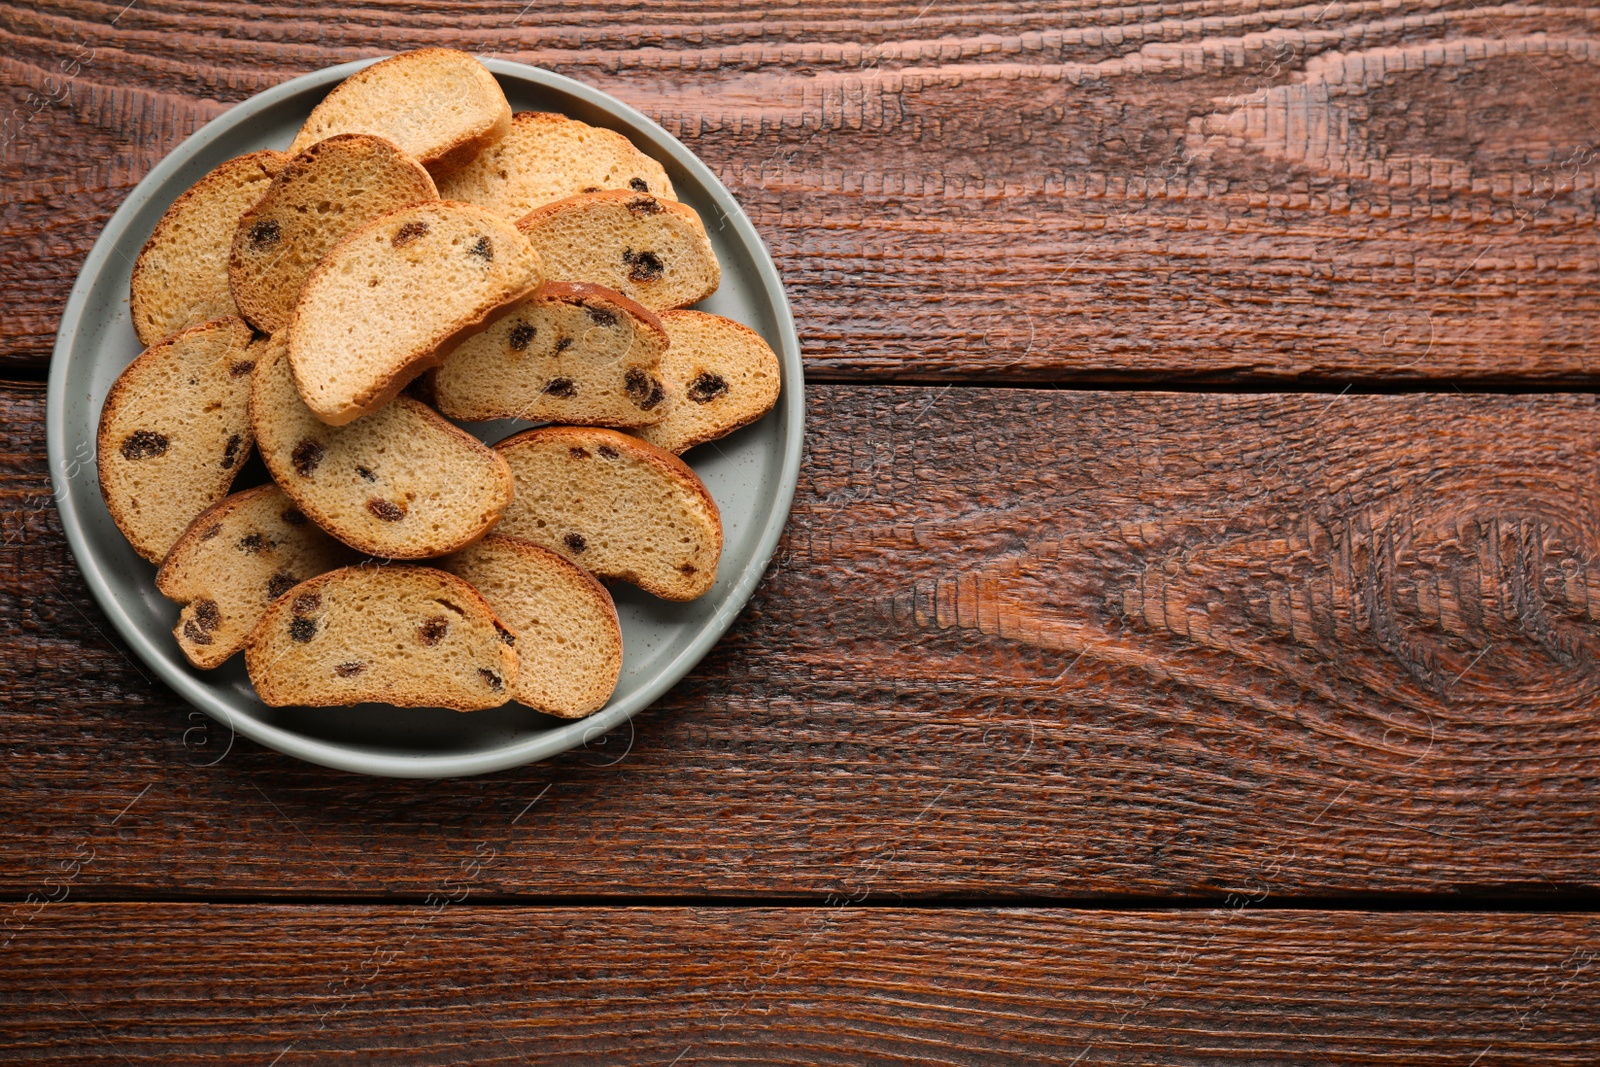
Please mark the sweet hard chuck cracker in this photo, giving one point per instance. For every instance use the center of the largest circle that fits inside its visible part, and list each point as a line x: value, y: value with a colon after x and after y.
x: 616, y: 506
x: 233, y: 561
x: 403, y: 635
x: 174, y: 431
x: 571, y: 353
x: 393, y: 298
x: 402, y: 483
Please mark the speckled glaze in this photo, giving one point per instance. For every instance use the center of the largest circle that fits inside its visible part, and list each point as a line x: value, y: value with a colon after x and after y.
x: 751, y: 473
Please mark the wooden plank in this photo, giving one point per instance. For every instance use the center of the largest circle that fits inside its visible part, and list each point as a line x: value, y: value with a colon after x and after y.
x: 1016, y: 644
x: 1397, y: 190
x: 178, y: 984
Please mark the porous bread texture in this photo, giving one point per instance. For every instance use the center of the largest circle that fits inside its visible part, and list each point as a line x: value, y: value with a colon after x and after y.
x: 235, y: 559
x: 181, y: 276
x: 395, y: 296
x: 174, y: 431
x: 655, y: 251
x: 548, y: 157
x: 403, y: 635
x: 719, y: 375
x: 570, y: 353
x: 569, y: 643
x: 402, y: 483
x: 319, y: 196
x: 616, y: 506
x: 441, y: 106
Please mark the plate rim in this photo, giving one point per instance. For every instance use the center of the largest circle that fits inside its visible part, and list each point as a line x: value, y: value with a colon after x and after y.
x: 560, y: 739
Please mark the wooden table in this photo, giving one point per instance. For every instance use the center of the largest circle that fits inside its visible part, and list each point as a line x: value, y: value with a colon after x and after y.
x: 1183, y: 648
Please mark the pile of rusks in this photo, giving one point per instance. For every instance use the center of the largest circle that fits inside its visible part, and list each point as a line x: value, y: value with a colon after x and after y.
x: 421, y: 254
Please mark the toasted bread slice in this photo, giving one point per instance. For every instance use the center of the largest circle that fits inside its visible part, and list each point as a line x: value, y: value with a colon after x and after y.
x: 174, y: 431
x: 573, y: 353
x: 548, y: 157
x: 616, y: 506
x: 655, y: 251
x: 181, y: 276
x: 234, y: 560
x: 401, y: 484
x: 719, y: 375
x: 403, y: 635
x: 442, y: 107
x: 394, y: 297
x: 569, y: 643
x: 319, y: 196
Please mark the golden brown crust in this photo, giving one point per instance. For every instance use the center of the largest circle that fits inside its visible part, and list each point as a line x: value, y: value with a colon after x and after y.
x: 582, y: 292
x: 464, y: 150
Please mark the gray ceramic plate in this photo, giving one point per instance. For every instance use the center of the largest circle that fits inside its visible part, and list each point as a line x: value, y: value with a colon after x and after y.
x: 751, y: 473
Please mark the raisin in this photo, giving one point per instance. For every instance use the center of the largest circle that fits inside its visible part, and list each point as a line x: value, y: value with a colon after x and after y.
x: 302, y: 629
x: 349, y: 670
x: 643, y: 389
x: 506, y: 635
x: 707, y: 387
x: 305, y: 457
x: 241, y: 368
x: 638, y: 185
x: 482, y: 249
x: 601, y: 316
x: 207, y: 615
x: 294, y: 517
x: 434, y: 629
x: 144, y: 444
x: 230, y: 451
x: 608, y: 452
x: 264, y: 234
x: 687, y: 568
x: 211, y: 531
x: 495, y: 682
x: 195, y: 634
x: 578, y: 453
x: 590, y: 189
x: 645, y: 205
x: 575, y: 541
x: 366, y: 473
x: 562, y: 344
x: 521, y: 335
x: 306, y: 603
x: 646, y: 266
x: 408, y: 233
x: 254, y: 543
x: 562, y: 388
x: 386, y: 510
x: 280, y: 584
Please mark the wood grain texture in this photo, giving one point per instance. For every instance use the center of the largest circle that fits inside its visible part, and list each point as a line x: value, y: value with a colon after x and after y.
x: 1015, y: 644
x: 1215, y: 190
x: 180, y: 984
